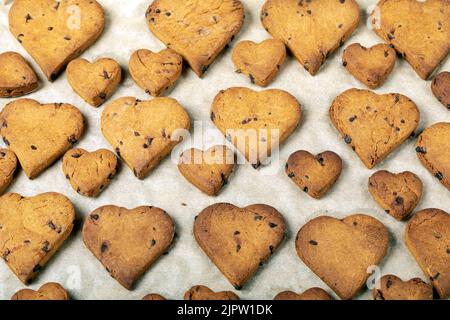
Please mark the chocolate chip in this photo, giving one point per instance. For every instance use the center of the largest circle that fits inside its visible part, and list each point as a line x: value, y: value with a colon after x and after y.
x: 389, y: 283
x: 57, y: 4
x: 399, y: 201
x: 45, y: 247
x: 313, y: 242
x: 94, y: 217
x: 76, y: 155
x: 28, y: 17
x: 212, y: 116
x: 305, y: 189
x: 448, y: 251
x: 6, y: 141
x: 67, y: 38
x: 272, y: 225
x: 347, y: 139
x: 353, y: 118
x: 271, y: 248
x: 33, y: 147
x: 258, y: 218
x: 439, y: 175
x: 26, y: 241
x: 252, y: 79
x: 102, y: 95
x: 342, y: 1
x: 168, y: 14
x: 238, y: 247
x: 153, y: 242
x: 158, y: 10
x: 421, y: 150
x: 51, y: 225
x: 72, y: 140
x: 104, y: 247
x: 291, y: 175
x: 321, y: 161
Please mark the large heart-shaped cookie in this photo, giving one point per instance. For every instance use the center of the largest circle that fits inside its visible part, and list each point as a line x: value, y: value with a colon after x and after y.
x: 32, y: 230
x: 310, y: 294
x: 341, y: 251
x: 128, y: 242
x: 17, y: 78
x: 256, y: 122
x: 8, y: 167
x: 55, y: 32
x: 433, y: 150
x: 239, y: 240
x: 39, y: 133
x: 205, y: 293
x: 312, y: 30
x: 155, y: 72
x: 418, y: 30
x: 315, y: 175
x: 144, y: 132
x: 48, y: 291
x: 394, y: 288
x: 198, y: 29
x: 94, y: 82
x: 427, y: 236
x: 441, y: 88
x: 373, y: 125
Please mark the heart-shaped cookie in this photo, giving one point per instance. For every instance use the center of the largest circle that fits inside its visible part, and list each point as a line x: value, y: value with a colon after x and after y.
x: 49, y: 291
x: 259, y: 61
x: 32, y: 230
x: 433, y: 150
x: 394, y: 288
x: 310, y: 294
x: 144, y: 132
x: 94, y: 82
x: 256, y: 122
x: 55, y: 32
x: 239, y: 240
x: 315, y: 175
x: 373, y: 125
x: 153, y: 297
x: 40, y: 133
x: 155, y: 72
x: 198, y: 29
x: 89, y: 172
x: 312, y: 30
x: 205, y: 293
x: 209, y: 170
x: 8, y: 167
x: 427, y: 236
x: 424, y: 45
x: 370, y: 66
x: 398, y: 194
x: 441, y: 88
x: 128, y: 242
x: 341, y: 251
x: 17, y: 78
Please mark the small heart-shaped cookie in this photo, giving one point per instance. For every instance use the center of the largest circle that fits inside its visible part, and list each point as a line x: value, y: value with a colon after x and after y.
x: 433, y: 150
x: 370, y: 66
x: 424, y: 45
x: 49, y: 291
x: 198, y: 29
x: 427, y: 236
x: 259, y: 61
x: 312, y: 30
x: 128, y: 242
x: 153, y: 297
x: 315, y: 175
x: 441, y: 88
x: 8, y: 166
x: 32, y: 230
x: 40, y: 133
x: 256, y: 122
x: 205, y: 293
x: 17, y: 78
x: 94, y: 82
x: 55, y: 32
x: 394, y: 288
x: 144, y: 132
x: 239, y: 240
x: 310, y: 294
x: 373, y: 125
x: 340, y: 251
x: 155, y: 72
x: 89, y: 172
x: 209, y: 170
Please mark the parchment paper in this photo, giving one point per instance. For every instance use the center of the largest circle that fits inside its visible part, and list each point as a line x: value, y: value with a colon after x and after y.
x: 186, y: 265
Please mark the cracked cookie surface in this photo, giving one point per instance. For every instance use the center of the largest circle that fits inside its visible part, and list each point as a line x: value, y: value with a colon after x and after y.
x: 17, y: 78
x: 205, y: 293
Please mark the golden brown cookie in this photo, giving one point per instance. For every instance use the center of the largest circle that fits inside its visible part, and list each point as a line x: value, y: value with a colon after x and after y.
x: 418, y: 30
x: 398, y: 194
x: 32, y: 229
x: 89, y: 173
x: 49, y: 291
x: 259, y: 61
x: 56, y: 32
x: 433, y: 150
x: 17, y: 78
x: 207, y: 170
x: 427, y: 236
x: 315, y: 175
x: 394, y: 288
x: 313, y: 29
x: 441, y: 88
x: 197, y: 29
x: 239, y: 240
x: 128, y: 242
x: 310, y: 294
x: 341, y: 251
x: 153, y: 297
x: 40, y: 133
x: 8, y: 167
x: 255, y: 121
x: 94, y: 82
x: 373, y: 125
x: 205, y: 293
x: 370, y: 66
x: 143, y: 132
x: 155, y: 72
